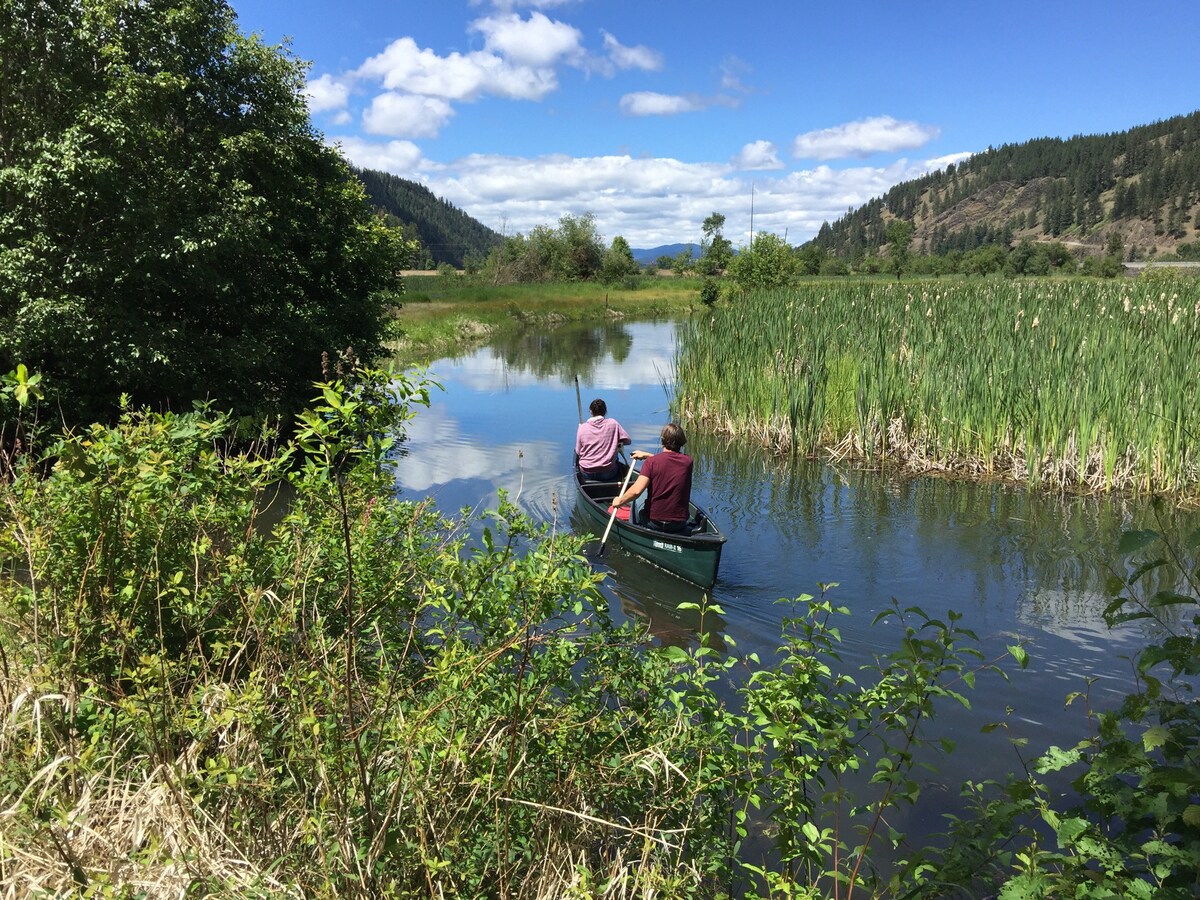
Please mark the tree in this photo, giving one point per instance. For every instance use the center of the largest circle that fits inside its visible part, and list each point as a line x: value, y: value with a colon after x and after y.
x: 899, y: 235
x: 715, y: 250
x: 767, y: 263
x: 810, y: 258
x: 682, y: 263
x: 571, y: 252
x: 583, y: 249
x: 171, y: 225
x: 619, y: 263
x: 1114, y: 246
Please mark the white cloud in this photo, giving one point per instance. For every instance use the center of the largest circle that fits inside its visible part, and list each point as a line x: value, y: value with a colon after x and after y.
x: 401, y: 158
x: 758, y: 155
x: 649, y: 103
x: 649, y: 201
x: 639, y: 57
x: 731, y: 75
x: 326, y: 93
x: 403, y: 66
x: 879, y: 134
x: 536, y: 42
x: 406, y: 115
x: 941, y: 162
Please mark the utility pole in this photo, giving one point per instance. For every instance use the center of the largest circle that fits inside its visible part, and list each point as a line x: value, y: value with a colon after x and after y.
x: 752, y: 216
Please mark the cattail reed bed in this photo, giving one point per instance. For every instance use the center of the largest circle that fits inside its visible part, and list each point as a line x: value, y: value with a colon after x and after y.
x: 1068, y: 385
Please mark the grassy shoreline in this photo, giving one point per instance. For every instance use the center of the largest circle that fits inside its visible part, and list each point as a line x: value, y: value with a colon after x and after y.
x: 446, y: 314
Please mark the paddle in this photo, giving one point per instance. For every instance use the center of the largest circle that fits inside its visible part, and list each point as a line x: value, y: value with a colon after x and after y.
x: 613, y: 516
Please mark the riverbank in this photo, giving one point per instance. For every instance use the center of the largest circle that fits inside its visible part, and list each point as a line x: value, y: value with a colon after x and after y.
x: 443, y: 314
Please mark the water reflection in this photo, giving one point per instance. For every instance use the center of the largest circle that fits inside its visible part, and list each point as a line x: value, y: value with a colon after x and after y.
x: 1017, y: 561
x: 645, y: 593
x: 1019, y: 566
x: 565, y: 353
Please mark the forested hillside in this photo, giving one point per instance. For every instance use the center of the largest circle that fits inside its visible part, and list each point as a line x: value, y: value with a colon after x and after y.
x: 1141, y: 185
x: 448, y: 234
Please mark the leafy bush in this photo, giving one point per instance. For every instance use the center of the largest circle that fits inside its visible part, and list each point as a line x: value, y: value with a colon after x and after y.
x: 256, y: 671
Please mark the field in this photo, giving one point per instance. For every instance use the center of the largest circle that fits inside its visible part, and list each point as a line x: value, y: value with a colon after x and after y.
x: 1073, y: 384
x: 447, y: 313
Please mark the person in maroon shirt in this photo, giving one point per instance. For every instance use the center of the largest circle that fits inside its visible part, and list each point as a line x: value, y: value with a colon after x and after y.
x: 668, y: 477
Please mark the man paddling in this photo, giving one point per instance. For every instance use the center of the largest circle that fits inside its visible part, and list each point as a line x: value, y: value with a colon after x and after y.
x: 596, y: 444
x: 668, y: 475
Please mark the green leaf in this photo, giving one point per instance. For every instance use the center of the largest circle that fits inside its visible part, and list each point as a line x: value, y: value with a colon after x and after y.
x: 1019, y: 654
x: 1170, y: 598
x: 676, y: 654
x: 1070, y: 829
x: 1155, y: 736
x: 1056, y: 759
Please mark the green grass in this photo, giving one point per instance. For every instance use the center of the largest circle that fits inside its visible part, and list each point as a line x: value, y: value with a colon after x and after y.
x: 1063, y: 383
x: 445, y: 314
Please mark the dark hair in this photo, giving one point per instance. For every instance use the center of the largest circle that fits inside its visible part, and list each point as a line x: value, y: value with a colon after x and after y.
x: 673, y: 437
x: 598, y: 407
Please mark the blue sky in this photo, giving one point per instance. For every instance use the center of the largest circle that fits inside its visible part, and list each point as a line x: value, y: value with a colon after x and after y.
x: 653, y: 114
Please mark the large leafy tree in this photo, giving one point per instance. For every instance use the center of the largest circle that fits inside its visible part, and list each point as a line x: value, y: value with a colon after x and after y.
x: 715, y: 251
x: 619, y: 263
x: 171, y: 225
x: 899, y: 235
x: 767, y: 263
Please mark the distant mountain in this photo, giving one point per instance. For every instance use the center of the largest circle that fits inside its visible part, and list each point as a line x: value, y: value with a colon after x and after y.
x: 644, y: 257
x: 448, y: 234
x: 1141, y: 186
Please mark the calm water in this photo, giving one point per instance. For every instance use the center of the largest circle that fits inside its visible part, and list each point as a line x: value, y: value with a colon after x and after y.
x: 1017, y: 566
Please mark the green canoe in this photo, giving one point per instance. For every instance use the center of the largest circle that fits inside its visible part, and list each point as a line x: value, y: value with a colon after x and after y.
x: 694, y: 556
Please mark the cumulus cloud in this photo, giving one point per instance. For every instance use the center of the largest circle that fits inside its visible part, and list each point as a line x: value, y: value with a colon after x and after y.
x: 406, y: 115
x: 537, y: 42
x: 649, y: 201
x: 758, y: 155
x: 401, y: 158
x: 649, y: 103
x: 326, y: 93
x: 940, y: 162
x: 878, y: 134
x: 403, y: 66
x: 639, y: 57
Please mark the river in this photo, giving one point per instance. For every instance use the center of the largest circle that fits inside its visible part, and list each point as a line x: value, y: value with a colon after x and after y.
x: 1020, y: 567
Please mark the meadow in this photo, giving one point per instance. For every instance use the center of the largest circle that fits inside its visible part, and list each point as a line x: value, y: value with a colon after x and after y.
x: 1066, y: 384
x: 445, y: 313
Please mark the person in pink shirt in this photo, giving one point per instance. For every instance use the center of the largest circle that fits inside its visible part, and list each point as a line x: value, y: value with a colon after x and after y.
x: 596, y: 444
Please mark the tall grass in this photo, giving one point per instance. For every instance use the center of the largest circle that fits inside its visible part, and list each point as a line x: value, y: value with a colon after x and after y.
x: 1061, y: 383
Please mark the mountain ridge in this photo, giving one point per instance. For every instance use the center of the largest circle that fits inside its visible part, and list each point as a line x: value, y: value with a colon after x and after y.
x: 1141, y: 185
